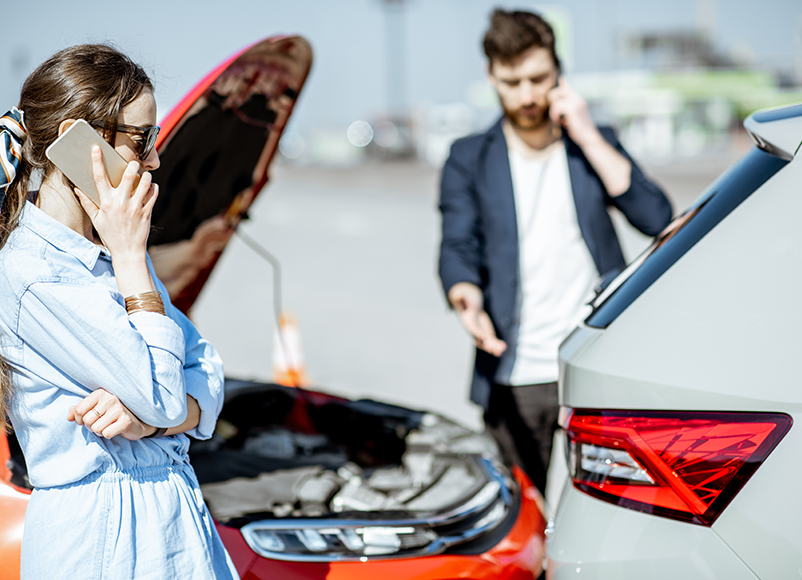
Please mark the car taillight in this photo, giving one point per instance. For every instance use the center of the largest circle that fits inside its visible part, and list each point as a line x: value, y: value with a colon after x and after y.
x: 681, y: 465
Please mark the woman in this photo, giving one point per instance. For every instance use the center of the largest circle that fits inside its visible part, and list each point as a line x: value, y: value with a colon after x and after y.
x: 102, y: 377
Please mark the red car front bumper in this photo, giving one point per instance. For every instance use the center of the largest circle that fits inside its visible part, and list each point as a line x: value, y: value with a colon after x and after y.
x: 518, y: 556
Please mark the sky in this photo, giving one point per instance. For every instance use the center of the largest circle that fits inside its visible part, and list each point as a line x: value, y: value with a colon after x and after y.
x: 441, y: 57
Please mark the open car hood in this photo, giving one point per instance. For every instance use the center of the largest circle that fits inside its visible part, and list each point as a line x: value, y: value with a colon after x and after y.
x: 215, y: 148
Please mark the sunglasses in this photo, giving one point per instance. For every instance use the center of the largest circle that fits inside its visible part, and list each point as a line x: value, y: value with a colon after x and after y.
x: 148, y: 135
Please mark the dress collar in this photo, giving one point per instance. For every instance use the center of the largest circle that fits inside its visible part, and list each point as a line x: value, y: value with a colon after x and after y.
x: 58, y: 235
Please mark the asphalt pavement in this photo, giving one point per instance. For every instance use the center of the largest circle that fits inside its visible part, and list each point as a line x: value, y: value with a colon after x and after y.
x: 358, y: 249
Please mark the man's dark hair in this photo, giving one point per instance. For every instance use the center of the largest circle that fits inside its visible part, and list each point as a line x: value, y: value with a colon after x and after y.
x: 513, y: 33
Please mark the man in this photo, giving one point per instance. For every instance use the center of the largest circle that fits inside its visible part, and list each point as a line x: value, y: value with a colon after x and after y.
x: 526, y: 233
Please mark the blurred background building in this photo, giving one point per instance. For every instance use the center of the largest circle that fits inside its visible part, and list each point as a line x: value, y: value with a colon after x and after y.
x: 401, y: 78
x: 675, y: 80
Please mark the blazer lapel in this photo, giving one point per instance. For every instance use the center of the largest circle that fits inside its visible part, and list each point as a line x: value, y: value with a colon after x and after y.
x: 582, y: 186
x: 501, y: 235
x: 498, y: 184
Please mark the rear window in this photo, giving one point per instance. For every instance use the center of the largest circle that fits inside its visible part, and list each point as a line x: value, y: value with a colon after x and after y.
x: 734, y: 186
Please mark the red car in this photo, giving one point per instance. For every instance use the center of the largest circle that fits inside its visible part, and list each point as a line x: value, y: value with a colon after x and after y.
x: 304, y: 484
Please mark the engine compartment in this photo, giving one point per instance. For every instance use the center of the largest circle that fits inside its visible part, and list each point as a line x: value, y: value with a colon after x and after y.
x: 281, y: 452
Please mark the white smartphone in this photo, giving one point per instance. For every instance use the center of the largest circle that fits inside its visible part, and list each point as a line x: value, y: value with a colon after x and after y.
x: 72, y: 154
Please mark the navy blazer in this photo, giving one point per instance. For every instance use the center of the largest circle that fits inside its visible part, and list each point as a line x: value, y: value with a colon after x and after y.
x: 480, y: 231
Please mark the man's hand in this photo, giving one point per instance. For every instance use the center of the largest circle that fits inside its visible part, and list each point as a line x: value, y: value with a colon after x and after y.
x: 570, y: 111
x: 467, y: 299
x: 104, y: 414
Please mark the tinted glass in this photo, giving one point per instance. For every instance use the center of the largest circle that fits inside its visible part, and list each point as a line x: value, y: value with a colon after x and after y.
x: 752, y: 171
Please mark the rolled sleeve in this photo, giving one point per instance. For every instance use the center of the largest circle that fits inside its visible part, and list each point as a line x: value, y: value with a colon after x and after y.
x: 208, y: 393
x: 644, y: 204
x: 203, y: 372
x: 159, y: 332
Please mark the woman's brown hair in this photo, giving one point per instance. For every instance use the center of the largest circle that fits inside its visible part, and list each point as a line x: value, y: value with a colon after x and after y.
x: 89, y: 81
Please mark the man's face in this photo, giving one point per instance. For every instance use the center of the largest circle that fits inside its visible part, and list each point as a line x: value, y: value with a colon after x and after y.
x: 523, y: 85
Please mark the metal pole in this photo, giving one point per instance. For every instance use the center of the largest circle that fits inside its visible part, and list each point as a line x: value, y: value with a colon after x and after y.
x: 396, y: 65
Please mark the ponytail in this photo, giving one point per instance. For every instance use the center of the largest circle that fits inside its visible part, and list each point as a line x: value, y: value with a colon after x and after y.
x: 12, y: 136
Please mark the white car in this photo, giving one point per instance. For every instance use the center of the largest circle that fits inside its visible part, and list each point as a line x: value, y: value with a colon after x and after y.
x: 681, y: 390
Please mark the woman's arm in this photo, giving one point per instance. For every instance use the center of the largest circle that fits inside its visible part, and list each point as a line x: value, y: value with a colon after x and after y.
x: 193, y: 418
x: 84, y: 332
x: 203, y: 378
x: 203, y: 372
x: 104, y: 414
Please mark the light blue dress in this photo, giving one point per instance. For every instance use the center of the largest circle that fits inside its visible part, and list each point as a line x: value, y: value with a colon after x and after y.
x: 103, y: 508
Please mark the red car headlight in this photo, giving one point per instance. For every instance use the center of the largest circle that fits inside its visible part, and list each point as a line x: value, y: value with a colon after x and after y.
x: 682, y: 465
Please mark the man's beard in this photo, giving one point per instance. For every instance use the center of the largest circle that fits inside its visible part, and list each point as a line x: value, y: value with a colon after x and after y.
x: 527, y: 122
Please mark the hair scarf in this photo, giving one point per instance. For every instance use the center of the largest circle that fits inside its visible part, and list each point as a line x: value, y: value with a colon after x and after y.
x: 12, y: 134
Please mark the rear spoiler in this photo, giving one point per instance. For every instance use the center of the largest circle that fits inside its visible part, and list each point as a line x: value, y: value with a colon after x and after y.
x: 780, y: 139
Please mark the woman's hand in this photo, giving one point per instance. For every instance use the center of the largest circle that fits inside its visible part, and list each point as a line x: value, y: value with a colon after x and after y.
x: 123, y: 219
x: 104, y: 414
x: 123, y: 222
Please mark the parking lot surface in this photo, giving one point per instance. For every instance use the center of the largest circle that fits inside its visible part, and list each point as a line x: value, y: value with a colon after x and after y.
x: 358, y: 248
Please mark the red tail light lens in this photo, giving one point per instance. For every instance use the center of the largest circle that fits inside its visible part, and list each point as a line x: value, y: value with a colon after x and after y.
x: 681, y: 465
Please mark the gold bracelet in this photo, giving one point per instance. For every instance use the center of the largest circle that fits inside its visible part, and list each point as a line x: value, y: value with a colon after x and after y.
x: 145, y: 302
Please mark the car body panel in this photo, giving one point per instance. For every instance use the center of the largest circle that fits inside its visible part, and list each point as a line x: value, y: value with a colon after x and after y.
x: 728, y: 268
x: 763, y: 524
x: 592, y: 539
x: 719, y: 330
x: 241, y: 554
x: 13, y: 501
x: 12, y: 517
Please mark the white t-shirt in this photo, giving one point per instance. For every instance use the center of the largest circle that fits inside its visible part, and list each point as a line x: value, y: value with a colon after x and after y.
x: 557, y: 271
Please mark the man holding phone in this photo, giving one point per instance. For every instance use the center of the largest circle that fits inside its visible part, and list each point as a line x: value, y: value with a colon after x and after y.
x: 526, y: 233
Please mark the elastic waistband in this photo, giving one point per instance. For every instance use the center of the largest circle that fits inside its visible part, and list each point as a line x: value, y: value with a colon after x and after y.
x: 150, y: 473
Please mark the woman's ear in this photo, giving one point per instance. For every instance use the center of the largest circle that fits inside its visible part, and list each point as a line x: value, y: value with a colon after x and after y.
x: 64, y: 125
